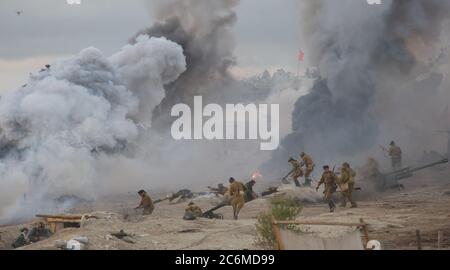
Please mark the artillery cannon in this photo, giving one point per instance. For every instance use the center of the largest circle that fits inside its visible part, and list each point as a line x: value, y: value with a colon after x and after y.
x: 392, y: 180
x: 211, y: 215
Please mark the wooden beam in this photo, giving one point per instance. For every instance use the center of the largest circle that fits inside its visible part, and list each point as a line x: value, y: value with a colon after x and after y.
x: 60, y: 216
x: 293, y: 222
x: 419, y: 240
x: 440, y: 238
x: 60, y: 220
x: 277, y: 232
x: 365, y: 232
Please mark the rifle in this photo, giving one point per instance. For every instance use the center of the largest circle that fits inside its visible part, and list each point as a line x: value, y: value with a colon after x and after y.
x: 383, y: 148
x: 284, y: 179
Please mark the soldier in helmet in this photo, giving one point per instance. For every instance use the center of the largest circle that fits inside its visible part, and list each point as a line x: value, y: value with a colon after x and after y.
x: 346, y: 184
x: 22, y: 239
x: 296, y: 170
x: 192, y: 212
x: 250, y: 195
x: 329, y: 180
x: 236, y: 191
x: 39, y: 232
x: 309, y: 167
x: 146, y: 203
x: 395, y: 152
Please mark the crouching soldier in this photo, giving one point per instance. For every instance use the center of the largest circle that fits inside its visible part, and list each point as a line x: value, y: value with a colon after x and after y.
x: 192, y: 212
x: 22, y: 239
x: 146, y: 203
x: 250, y: 195
x: 329, y: 180
x: 39, y: 233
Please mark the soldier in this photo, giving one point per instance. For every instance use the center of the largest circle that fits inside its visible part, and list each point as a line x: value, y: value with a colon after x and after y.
x: 39, y: 232
x: 146, y: 203
x: 220, y: 190
x: 22, y: 239
x: 309, y: 167
x: 249, y: 194
x: 237, y: 191
x: 329, y: 180
x: 347, y: 184
x: 395, y: 153
x: 296, y: 171
x: 192, y: 212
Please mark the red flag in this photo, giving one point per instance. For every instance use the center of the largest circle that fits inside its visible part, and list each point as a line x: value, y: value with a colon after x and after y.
x: 301, y: 56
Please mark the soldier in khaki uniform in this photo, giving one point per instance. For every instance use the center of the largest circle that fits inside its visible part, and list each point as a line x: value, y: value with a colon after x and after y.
x: 309, y: 167
x: 395, y: 152
x: 296, y: 170
x: 329, y: 180
x: 192, y: 212
x: 236, y: 191
x: 347, y: 184
x: 146, y: 203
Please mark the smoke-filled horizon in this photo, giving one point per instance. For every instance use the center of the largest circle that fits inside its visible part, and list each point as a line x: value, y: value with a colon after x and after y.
x: 93, y: 125
x: 383, y: 76
x: 85, y: 127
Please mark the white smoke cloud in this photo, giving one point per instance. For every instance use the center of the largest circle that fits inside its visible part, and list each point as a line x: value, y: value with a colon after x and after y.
x: 57, y: 128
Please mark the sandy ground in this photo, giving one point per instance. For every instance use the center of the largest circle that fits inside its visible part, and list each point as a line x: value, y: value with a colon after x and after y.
x: 393, y: 217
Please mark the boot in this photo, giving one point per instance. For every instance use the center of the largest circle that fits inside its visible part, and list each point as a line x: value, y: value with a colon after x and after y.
x: 343, y: 202
x: 332, y: 206
x: 307, y: 182
x: 297, y: 183
x: 354, y: 205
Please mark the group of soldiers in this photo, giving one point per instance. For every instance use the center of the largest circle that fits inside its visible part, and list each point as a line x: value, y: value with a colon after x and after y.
x: 345, y: 181
x: 332, y: 181
x: 38, y: 233
x: 237, y: 194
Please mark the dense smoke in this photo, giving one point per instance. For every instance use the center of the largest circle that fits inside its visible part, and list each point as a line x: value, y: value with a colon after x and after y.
x: 202, y: 28
x: 380, y: 77
x: 70, y: 117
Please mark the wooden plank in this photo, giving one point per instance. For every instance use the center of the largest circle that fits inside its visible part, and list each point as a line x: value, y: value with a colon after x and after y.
x: 419, y: 240
x: 60, y: 216
x: 54, y: 220
x: 277, y: 232
x: 365, y: 232
x: 440, y: 238
x: 320, y: 223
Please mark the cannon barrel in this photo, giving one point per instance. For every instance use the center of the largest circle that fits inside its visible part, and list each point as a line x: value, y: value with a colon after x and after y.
x: 210, y: 213
x: 443, y: 161
x: 409, y: 172
x: 391, y: 180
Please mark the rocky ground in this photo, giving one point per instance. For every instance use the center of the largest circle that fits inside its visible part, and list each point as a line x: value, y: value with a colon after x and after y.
x: 393, y: 217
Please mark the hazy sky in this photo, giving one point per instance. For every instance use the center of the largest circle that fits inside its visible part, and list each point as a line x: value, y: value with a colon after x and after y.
x: 266, y: 33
